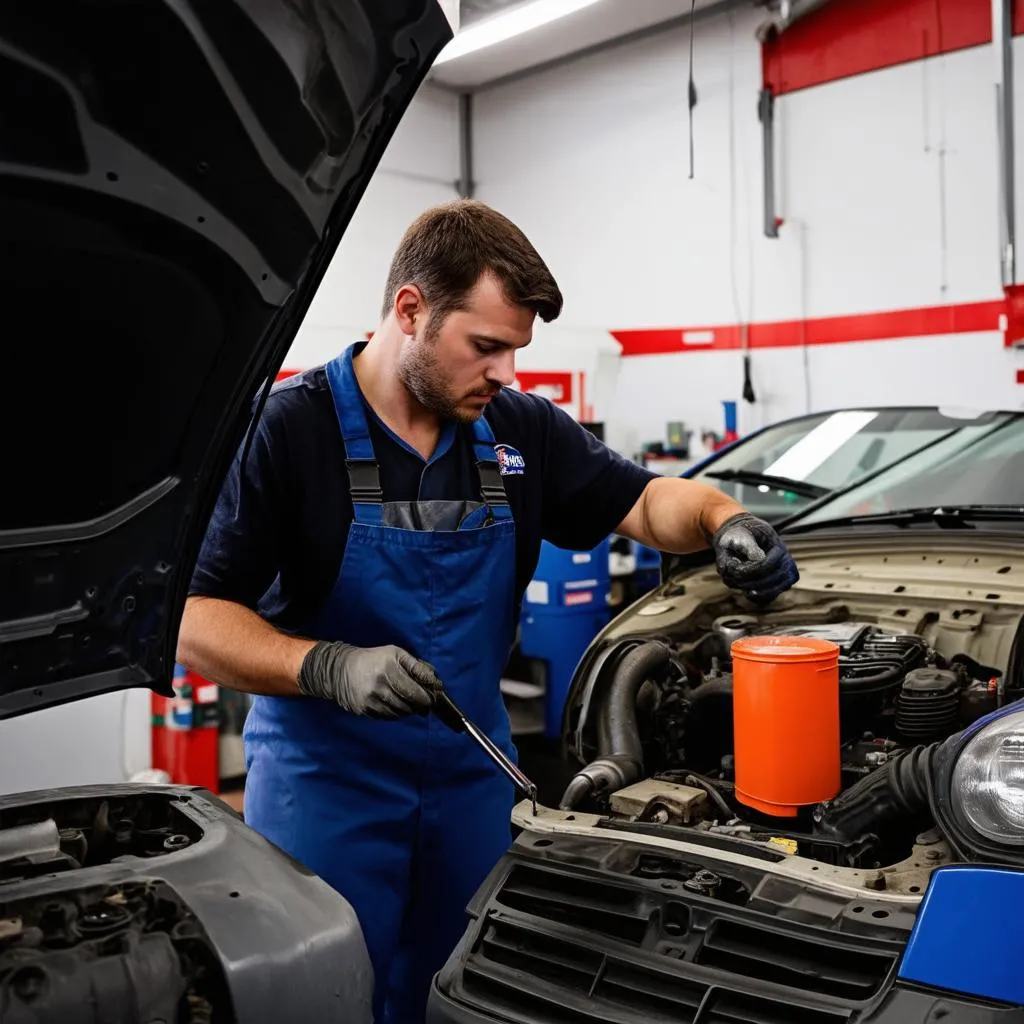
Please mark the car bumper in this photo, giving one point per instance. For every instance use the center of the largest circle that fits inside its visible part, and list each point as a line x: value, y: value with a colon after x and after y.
x: 579, y: 929
x: 902, y: 1005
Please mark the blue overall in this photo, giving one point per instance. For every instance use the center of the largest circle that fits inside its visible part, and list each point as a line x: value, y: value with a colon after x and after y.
x: 404, y: 818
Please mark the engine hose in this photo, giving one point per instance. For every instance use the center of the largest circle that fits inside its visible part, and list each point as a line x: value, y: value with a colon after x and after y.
x: 693, y: 779
x: 899, y: 789
x: 720, y: 687
x: 620, y: 759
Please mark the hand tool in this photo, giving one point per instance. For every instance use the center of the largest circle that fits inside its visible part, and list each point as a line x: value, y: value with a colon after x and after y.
x: 452, y: 715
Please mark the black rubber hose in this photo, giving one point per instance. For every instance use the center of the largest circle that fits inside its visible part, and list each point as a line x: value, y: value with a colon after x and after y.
x: 701, y: 782
x: 617, y: 732
x: 720, y: 687
x: 899, y: 790
x: 620, y: 759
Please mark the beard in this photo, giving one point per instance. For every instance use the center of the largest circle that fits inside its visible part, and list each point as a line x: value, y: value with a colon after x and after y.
x: 430, y: 384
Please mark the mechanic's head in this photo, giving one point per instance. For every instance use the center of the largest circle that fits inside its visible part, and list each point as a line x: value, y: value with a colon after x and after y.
x: 465, y: 287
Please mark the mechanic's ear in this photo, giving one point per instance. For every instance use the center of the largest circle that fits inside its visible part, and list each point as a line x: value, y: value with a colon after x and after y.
x: 408, y: 307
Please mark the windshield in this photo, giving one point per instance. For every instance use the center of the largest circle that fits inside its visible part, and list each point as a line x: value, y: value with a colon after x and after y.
x: 982, y: 464
x: 829, y: 451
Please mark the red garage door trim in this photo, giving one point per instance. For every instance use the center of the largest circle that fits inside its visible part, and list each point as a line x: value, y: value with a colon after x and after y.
x: 851, y: 37
x: 967, y: 318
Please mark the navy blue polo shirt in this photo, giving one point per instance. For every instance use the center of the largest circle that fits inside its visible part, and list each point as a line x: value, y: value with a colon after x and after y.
x: 277, y: 535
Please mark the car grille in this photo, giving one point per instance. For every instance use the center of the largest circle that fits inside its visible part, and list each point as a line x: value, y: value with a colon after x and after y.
x: 563, y: 949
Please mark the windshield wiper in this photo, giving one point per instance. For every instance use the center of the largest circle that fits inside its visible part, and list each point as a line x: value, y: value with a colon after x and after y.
x: 948, y: 517
x: 744, y: 476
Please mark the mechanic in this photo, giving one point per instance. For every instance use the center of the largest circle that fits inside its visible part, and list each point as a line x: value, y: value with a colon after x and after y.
x: 376, y: 540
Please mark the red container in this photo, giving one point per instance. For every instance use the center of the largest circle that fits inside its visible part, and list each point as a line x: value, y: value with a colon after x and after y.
x: 185, y: 732
x: 785, y: 722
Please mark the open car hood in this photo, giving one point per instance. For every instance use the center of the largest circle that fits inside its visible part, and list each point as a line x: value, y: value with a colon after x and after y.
x: 175, y: 176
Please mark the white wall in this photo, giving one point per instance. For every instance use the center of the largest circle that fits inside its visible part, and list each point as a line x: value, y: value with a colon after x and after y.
x: 418, y: 170
x: 102, y: 739
x: 887, y: 183
x: 591, y: 160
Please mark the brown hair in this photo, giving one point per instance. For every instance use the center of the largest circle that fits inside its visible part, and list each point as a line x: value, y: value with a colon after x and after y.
x: 447, y: 248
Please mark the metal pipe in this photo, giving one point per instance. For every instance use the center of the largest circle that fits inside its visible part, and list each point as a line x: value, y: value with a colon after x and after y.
x: 766, y: 115
x: 36, y: 842
x: 1002, y: 45
x: 465, y: 186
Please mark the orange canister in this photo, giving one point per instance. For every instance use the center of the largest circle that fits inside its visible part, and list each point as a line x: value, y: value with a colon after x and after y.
x: 785, y: 722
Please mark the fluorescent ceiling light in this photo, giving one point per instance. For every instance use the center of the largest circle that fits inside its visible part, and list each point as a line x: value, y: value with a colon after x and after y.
x: 824, y: 440
x: 514, y: 22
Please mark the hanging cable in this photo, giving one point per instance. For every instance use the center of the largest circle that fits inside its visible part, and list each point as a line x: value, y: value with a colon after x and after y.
x: 691, y: 88
x: 742, y: 318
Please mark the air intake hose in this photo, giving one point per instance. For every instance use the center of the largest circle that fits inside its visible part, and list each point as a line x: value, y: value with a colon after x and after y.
x: 620, y: 759
x: 899, y: 790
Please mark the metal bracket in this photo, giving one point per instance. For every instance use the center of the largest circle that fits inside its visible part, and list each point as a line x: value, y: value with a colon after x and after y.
x: 1002, y: 41
x: 766, y: 115
x: 465, y: 186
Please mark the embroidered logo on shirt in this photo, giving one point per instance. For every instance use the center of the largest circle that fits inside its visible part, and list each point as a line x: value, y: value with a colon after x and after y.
x: 510, y: 462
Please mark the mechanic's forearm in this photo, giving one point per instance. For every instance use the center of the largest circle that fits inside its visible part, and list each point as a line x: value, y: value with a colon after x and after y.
x: 680, y: 516
x: 233, y: 647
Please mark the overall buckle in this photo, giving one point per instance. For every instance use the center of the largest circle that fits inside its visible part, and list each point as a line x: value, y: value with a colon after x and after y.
x: 492, y: 487
x: 364, y: 481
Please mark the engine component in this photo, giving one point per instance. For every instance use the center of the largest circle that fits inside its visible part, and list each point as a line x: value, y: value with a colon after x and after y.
x: 977, y: 700
x: 659, y: 801
x: 786, y: 722
x: 929, y: 704
x: 709, y: 724
x: 127, y: 952
x: 898, y: 791
x: 870, y: 659
x: 38, y: 841
x: 620, y: 759
x: 704, y: 882
x: 734, y: 627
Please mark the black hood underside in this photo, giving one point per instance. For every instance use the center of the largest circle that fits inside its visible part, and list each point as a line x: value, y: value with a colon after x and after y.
x: 175, y: 176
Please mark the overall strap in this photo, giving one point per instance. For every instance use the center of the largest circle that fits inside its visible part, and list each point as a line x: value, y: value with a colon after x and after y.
x: 363, y: 470
x: 492, y: 486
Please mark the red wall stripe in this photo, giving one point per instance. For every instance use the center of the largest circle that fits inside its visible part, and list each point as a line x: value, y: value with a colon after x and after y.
x: 1020, y: 376
x: 851, y: 37
x: 834, y: 330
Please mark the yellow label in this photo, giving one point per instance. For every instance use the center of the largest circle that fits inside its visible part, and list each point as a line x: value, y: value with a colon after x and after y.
x: 786, y: 845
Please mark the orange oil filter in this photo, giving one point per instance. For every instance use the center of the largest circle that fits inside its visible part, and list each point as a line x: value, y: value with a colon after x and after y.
x: 785, y: 722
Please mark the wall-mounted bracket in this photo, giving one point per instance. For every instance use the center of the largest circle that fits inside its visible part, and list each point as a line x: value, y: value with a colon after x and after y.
x: 766, y: 115
x: 465, y: 186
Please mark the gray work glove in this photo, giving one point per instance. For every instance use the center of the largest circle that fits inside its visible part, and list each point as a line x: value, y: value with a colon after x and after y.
x: 753, y: 558
x: 378, y: 682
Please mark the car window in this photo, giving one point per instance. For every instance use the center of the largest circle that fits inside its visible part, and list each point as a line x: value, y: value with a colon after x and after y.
x: 830, y: 450
x: 982, y: 464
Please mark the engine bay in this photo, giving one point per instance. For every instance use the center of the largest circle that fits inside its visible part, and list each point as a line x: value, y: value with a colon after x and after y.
x: 652, y: 721
x: 133, y: 949
x: 154, y: 903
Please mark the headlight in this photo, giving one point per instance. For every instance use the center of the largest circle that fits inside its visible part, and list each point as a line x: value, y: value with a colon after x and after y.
x: 988, y: 780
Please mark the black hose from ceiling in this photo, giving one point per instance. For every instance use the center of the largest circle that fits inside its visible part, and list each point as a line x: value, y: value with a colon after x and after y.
x: 620, y: 759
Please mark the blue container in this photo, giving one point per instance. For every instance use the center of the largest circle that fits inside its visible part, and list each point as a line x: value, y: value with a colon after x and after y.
x: 648, y: 569
x: 566, y: 606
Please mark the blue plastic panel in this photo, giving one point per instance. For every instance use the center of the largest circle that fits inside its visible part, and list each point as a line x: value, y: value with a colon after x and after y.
x: 967, y: 934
